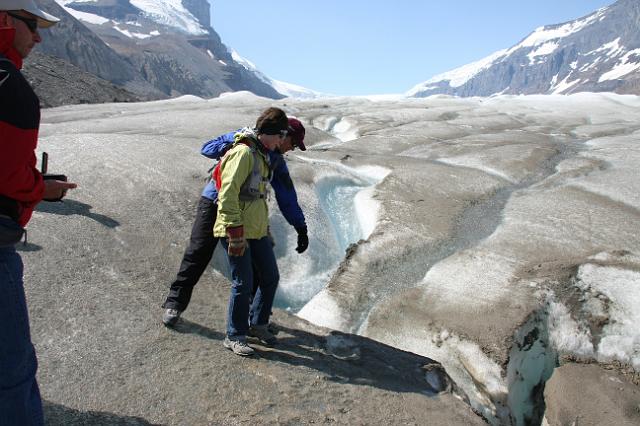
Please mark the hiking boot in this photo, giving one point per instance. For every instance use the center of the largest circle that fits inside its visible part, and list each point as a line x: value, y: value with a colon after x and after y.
x: 262, y: 333
x: 170, y: 317
x: 273, y: 329
x: 238, y: 346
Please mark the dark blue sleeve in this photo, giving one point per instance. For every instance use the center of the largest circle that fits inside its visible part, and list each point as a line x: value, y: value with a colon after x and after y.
x: 286, y: 193
x: 215, y: 148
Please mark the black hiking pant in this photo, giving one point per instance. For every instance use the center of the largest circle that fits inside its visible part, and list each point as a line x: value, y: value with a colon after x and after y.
x: 196, y: 257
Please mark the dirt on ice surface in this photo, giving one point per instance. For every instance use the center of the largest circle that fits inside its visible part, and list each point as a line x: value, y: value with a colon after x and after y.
x: 497, y: 237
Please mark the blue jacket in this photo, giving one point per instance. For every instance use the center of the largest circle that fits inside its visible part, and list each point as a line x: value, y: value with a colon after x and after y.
x: 281, y: 182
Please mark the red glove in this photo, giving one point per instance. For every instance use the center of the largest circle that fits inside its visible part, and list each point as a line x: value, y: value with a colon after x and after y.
x: 237, y: 242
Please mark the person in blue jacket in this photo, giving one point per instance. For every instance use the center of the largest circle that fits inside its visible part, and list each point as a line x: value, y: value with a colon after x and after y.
x: 202, y: 242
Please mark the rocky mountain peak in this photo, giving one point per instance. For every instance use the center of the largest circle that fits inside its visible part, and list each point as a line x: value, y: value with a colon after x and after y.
x: 201, y: 9
x: 599, y: 52
x: 152, y: 48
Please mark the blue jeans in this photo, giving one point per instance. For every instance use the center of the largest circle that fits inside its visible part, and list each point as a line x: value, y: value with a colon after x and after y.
x: 20, y: 402
x: 260, y: 254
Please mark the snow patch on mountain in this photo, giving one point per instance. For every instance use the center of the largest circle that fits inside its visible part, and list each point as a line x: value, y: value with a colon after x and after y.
x: 544, y: 34
x: 289, y: 90
x: 171, y: 13
x: 625, y: 66
x: 461, y: 75
x: 130, y: 34
x: 564, y: 85
x: 165, y: 12
x: 544, y: 50
x: 245, y: 62
x: 613, y: 48
x: 82, y: 16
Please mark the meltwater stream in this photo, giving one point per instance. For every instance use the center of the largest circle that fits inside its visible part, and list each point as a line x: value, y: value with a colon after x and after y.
x: 337, y: 198
x: 348, y: 216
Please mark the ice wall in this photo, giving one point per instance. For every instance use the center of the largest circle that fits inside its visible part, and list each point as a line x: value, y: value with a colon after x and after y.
x: 349, y: 213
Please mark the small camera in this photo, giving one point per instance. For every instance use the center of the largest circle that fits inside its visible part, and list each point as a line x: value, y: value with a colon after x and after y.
x: 50, y: 176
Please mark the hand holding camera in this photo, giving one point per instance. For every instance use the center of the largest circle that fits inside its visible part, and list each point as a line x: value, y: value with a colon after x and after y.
x: 55, y: 186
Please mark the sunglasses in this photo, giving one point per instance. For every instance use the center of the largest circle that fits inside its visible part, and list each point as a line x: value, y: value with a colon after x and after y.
x: 273, y: 132
x: 31, y: 23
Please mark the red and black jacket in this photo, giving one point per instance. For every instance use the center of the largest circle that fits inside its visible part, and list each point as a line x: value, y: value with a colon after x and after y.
x: 21, y: 184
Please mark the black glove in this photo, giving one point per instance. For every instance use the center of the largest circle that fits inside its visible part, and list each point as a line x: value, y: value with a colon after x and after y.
x: 270, y: 235
x: 303, y: 239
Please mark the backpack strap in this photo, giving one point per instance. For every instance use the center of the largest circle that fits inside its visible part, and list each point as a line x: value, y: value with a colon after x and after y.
x: 255, y: 186
x: 216, y: 175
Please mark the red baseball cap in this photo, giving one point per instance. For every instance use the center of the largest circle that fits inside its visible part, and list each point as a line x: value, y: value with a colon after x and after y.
x: 296, y: 131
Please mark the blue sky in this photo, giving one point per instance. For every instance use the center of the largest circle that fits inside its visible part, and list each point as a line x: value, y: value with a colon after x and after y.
x: 366, y: 47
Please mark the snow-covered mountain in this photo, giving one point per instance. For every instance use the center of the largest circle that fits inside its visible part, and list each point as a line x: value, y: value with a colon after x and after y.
x: 166, y: 13
x: 597, y: 53
x: 288, y: 90
x: 153, y: 48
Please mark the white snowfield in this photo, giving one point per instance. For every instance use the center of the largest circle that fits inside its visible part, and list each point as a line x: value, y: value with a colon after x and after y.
x: 498, y: 236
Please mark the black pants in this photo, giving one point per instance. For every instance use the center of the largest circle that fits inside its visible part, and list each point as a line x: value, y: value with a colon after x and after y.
x: 196, y: 257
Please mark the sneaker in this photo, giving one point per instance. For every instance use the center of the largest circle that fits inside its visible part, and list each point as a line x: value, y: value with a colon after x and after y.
x: 238, y: 346
x: 262, y: 333
x: 170, y: 317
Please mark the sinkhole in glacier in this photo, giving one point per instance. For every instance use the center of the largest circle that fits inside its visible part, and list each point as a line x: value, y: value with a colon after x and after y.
x: 348, y: 214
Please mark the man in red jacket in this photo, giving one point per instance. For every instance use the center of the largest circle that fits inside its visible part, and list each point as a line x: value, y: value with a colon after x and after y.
x: 21, y: 187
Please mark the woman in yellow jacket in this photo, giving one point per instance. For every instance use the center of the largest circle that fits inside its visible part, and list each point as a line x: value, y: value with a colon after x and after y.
x: 242, y: 223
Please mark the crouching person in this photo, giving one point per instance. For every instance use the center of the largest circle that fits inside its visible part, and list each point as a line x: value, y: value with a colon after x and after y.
x: 242, y: 222
x: 202, y: 243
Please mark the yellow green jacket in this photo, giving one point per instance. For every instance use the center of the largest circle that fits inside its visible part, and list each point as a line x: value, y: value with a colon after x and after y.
x: 236, y: 166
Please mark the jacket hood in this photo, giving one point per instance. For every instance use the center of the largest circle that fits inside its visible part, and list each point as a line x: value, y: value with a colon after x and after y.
x: 251, y: 134
x: 246, y: 133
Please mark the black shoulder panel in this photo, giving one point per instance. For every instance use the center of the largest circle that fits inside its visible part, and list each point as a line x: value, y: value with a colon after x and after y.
x: 19, y: 105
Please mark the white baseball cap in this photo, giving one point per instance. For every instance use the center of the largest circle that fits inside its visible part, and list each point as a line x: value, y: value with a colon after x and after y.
x: 44, y: 19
